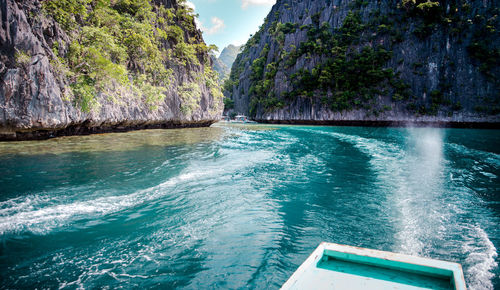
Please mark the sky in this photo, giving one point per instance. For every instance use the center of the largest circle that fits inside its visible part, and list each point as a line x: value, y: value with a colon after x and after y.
x: 225, y: 22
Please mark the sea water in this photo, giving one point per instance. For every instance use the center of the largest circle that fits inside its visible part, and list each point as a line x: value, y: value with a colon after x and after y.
x: 242, y: 206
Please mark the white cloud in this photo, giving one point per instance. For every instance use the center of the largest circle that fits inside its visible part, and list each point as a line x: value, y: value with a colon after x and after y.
x: 217, y: 25
x: 246, y: 3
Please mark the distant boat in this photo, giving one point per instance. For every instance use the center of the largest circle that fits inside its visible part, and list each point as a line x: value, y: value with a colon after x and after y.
x: 334, y: 266
x: 241, y: 119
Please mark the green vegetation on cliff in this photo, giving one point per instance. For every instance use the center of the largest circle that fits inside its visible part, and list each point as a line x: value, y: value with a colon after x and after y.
x: 349, y: 76
x: 127, y: 46
x: 407, y: 55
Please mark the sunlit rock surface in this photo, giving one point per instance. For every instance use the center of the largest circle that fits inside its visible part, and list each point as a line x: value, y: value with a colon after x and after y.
x: 446, y: 63
x: 32, y: 95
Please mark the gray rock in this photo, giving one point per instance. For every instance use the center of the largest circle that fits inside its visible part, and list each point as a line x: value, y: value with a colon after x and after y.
x: 32, y: 95
x: 228, y: 54
x: 443, y: 56
x: 223, y: 63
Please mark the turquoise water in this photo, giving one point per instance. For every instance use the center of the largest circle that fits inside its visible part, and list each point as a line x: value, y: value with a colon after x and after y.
x: 242, y: 206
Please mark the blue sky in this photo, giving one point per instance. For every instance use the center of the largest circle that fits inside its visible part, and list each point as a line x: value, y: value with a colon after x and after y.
x: 225, y: 22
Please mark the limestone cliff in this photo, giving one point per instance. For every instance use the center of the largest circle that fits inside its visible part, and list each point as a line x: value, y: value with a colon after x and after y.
x: 372, y: 60
x: 77, y: 67
x: 224, y: 62
x: 221, y: 69
x: 229, y: 54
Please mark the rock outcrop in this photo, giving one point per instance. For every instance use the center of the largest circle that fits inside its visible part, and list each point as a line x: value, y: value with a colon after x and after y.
x: 229, y: 54
x: 221, y: 69
x: 44, y: 91
x: 225, y: 61
x: 357, y: 62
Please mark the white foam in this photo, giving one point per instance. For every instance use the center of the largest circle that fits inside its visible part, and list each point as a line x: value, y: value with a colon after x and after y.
x: 488, y: 174
x: 481, y: 255
x: 415, y: 180
x: 411, y: 180
x: 22, y: 214
x: 490, y: 158
x: 22, y: 203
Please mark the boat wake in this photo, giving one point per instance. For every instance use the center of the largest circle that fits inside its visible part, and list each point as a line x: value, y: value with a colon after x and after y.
x: 244, y: 210
x: 481, y: 256
x: 39, y: 214
x: 432, y: 213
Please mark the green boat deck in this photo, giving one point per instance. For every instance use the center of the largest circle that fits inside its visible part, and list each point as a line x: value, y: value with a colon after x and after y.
x: 333, y: 266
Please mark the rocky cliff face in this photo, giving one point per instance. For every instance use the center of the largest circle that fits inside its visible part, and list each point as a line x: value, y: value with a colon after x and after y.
x: 221, y: 69
x: 229, y: 54
x: 372, y: 60
x: 223, y: 63
x: 75, y: 67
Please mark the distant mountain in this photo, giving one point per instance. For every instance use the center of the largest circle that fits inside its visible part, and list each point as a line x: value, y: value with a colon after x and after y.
x: 228, y: 55
x: 223, y: 64
x: 220, y: 68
